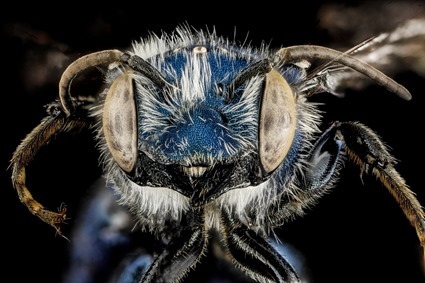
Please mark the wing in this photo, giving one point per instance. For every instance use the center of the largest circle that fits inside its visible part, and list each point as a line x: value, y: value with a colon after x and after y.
x: 398, y: 50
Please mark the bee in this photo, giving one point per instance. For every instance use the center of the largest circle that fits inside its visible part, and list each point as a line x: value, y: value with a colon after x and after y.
x: 207, y: 146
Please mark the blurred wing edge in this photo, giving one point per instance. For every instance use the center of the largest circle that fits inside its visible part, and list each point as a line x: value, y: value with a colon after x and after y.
x: 399, y: 50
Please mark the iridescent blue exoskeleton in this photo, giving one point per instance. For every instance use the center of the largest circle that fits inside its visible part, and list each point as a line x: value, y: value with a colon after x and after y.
x: 207, y: 146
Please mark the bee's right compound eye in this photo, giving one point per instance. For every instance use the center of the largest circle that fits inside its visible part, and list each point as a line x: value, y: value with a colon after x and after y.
x: 120, y: 122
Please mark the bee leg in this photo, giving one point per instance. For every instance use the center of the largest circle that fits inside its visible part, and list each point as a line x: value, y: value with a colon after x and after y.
x: 254, y: 255
x: 48, y: 128
x: 366, y: 149
x: 323, y: 162
x: 181, y: 254
x: 293, y: 256
x: 363, y: 147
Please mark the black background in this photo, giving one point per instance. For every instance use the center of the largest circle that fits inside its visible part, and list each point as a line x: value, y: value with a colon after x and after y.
x: 355, y: 234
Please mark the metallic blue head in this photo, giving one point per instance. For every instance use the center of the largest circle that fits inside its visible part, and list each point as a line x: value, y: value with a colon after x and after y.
x: 193, y: 122
x: 198, y: 129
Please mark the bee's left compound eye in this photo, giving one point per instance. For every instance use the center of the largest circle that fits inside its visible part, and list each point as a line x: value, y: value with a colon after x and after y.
x: 119, y: 122
x: 277, y: 121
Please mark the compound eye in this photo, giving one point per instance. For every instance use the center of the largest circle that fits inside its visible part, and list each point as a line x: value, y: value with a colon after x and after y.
x: 120, y: 122
x: 277, y: 121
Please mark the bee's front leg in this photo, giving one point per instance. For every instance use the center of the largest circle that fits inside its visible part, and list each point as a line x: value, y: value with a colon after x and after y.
x: 182, y: 253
